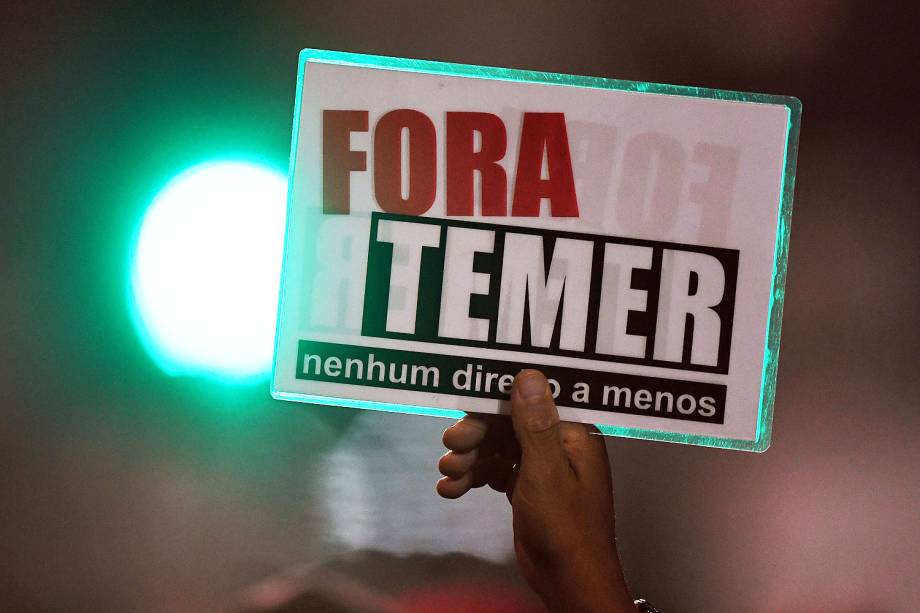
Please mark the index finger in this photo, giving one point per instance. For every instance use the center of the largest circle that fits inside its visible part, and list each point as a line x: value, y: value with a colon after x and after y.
x: 466, y: 434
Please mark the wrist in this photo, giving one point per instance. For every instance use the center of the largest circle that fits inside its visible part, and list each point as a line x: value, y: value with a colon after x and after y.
x: 595, y: 586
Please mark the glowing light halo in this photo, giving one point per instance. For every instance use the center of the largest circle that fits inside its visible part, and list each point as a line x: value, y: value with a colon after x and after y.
x: 205, y: 269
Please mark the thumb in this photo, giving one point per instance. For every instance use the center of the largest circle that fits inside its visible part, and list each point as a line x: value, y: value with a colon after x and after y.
x: 536, y: 423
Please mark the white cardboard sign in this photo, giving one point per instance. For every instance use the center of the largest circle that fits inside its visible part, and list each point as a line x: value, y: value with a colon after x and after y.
x: 449, y: 225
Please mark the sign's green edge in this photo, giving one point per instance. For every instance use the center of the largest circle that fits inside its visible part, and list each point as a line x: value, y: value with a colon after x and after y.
x: 771, y: 354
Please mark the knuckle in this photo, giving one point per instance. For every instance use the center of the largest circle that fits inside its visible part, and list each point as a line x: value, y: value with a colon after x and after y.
x: 455, y: 465
x: 535, y: 403
x: 540, y: 428
x: 449, y: 487
x: 464, y: 435
x: 537, y: 418
x: 474, y: 424
x: 573, y: 446
x: 444, y: 465
x: 574, y: 436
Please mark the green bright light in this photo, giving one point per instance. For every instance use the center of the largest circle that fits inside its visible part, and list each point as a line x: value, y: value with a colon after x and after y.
x: 206, y: 267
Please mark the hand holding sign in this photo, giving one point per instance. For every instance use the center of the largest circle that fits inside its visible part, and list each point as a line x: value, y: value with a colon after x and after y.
x: 557, y: 478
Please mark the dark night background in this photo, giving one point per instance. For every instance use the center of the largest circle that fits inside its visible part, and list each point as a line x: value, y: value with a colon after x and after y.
x: 123, y: 489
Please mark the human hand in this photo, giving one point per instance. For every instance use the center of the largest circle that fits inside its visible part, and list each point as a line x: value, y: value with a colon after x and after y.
x: 557, y: 477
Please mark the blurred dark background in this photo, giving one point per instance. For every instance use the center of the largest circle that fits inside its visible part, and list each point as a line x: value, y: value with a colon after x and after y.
x: 122, y: 489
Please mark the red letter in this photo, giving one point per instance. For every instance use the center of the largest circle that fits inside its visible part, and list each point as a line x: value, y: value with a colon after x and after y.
x: 388, y: 162
x: 544, y: 132
x: 463, y: 161
x: 338, y: 158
